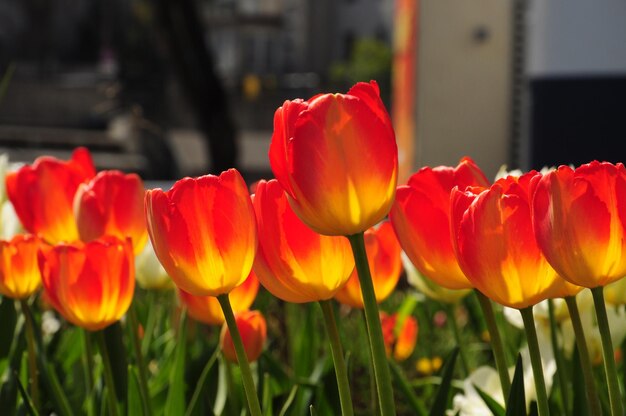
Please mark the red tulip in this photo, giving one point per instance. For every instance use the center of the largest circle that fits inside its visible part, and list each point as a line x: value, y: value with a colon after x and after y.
x: 399, y: 342
x: 496, y: 246
x: 112, y: 204
x: 203, y: 231
x: 90, y: 284
x: 293, y: 262
x: 421, y: 218
x: 580, y: 222
x: 207, y: 309
x: 383, y: 253
x: 336, y: 157
x: 253, y: 330
x: 19, y: 270
x: 42, y: 194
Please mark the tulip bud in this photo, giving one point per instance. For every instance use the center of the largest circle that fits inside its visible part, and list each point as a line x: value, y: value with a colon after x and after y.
x: 253, y: 330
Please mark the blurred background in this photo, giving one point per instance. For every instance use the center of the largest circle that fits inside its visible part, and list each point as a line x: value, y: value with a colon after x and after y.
x: 174, y: 88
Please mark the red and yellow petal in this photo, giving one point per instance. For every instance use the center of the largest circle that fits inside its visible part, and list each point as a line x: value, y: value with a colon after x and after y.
x: 204, y: 232
x: 19, y: 270
x: 90, y: 284
x: 253, y: 330
x: 43, y: 194
x: 336, y: 156
x: 293, y: 262
x: 580, y: 222
x: 207, y: 309
x: 112, y: 204
x: 496, y: 246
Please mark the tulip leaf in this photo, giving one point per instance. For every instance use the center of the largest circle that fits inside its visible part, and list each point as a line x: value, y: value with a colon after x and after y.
x: 54, y: 387
x: 8, y: 395
x: 8, y: 322
x: 289, y: 401
x: 516, y: 403
x: 201, y: 383
x: 443, y: 393
x: 578, y: 385
x: 135, y: 400
x: 267, y: 396
x: 113, y: 338
x: 222, y: 389
x: 416, y: 405
x: 495, y: 407
x: 28, y: 403
x: 175, y: 402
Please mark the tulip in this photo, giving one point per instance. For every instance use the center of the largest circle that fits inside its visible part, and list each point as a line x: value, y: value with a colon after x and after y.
x: 421, y: 218
x: 207, y: 309
x: 89, y: 284
x: 336, y: 157
x: 112, y: 204
x: 428, y: 287
x: 19, y: 270
x: 615, y: 293
x: 294, y: 263
x: 203, y: 231
x: 43, y: 193
x: 253, y: 331
x: 383, y: 253
x: 149, y: 273
x: 496, y: 246
x: 399, y: 342
x: 580, y: 222
x: 579, y: 217
x: 497, y: 251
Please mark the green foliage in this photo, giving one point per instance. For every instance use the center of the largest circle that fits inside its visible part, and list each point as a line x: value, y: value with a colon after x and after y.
x: 369, y: 59
x: 516, y: 402
x: 442, y: 397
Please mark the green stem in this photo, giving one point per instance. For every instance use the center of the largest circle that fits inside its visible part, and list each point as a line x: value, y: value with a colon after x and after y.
x: 607, y: 351
x: 200, y: 384
x: 108, y: 373
x: 340, y: 366
x: 450, y: 311
x: 32, y: 352
x: 88, y: 373
x: 143, y: 379
x: 242, y: 359
x: 535, y: 360
x: 374, y: 329
x: 558, y: 356
x: 496, y: 342
x: 583, y: 354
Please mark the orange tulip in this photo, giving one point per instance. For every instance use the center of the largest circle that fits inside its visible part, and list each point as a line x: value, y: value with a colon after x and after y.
x: 19, y: 270
x: 253, y: 330
x: 42, y: 194
x: 580, y: 222
x: 207, y: 309
x: 112, y: 204
x: 90, y: 284
x: 383, y: 254
x: 203, y: 231
x: 294, y: 263
x: 399, y: 343
x: 336, y: 157
x: 421, y: 218
x: 496, y: 246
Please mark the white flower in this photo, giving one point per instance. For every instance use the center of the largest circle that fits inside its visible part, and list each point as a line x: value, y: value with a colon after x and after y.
x: 149, y: 272
x: 428, y: 287
x: 486, y: 378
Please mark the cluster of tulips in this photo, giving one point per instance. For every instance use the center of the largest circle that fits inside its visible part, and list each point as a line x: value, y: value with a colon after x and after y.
x: 317, y: 232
